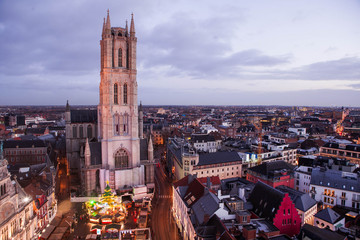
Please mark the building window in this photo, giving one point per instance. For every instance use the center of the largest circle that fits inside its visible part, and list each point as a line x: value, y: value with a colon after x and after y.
x: 81, y: 131
x: 116, y: 101
x: 89, y: 131
x: 120, y: 57
x: 74, y: 132
x: 121, y: 159
x: 127, y: 57
x: 125, y: 94
x: 116, y: 124
x: 124, y: 124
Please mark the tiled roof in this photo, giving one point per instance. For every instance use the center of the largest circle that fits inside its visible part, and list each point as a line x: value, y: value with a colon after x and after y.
x: 218, y: 157
x: 271, y: 167
x: 328, y: 215
x: 315, y: 233
x: 213, y: 228
x: 202, y: 138
x: 266, y: 200
x: 301, y: 200
x: 23, y: 144
x: 35, y: 131
x: 83, y: 116
x: 335, y: 179
x: 182, y: 182
x: 194, y: 192
x: 215, y: 180
x: 206, y: 205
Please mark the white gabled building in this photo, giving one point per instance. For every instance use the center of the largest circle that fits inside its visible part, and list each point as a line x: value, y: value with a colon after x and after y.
x: 206, y: 142
x: 334, y: 187
x: 181, y: 204
x: 303, y: 178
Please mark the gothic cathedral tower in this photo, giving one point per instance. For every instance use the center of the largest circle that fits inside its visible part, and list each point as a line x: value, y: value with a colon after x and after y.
x: 118, y: 109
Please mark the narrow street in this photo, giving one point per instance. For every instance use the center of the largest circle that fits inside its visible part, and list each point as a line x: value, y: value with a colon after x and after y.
x: 163, y: 224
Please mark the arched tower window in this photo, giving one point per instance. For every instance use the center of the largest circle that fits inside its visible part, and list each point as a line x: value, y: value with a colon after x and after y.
x: 81, y: 131
x: 112, y: 56
x: 116, y: 124
x: 121, y: 159
x: 125, y: 124
x: 89, y: 131
x: 125, y: 94
x: 74, y: 132
x: 127, y: 57
x: 120, y: 57
x: 116, y: 101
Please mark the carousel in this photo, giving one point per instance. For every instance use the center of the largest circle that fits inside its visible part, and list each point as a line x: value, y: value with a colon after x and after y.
x: 107, y: 215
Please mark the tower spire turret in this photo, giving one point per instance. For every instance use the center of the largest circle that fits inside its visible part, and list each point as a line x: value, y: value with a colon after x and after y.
x: 103, y: 29
x: 107, y: 24
x: 67, y: 108
x: 150, y: 149
x: 132, y: 26
x: 126, y: 28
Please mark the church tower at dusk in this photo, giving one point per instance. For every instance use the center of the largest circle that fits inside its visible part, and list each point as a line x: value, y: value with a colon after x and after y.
x: 118, y: 109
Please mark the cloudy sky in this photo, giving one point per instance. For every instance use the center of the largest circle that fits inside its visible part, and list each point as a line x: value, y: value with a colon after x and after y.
x: 231, y: 52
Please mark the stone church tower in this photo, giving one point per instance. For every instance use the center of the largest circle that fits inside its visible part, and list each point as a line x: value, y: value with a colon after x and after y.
x: 118, y: 109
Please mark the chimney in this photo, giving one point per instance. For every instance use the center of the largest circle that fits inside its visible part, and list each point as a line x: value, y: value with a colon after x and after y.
x: 249, y: 232
x: 208, y: 183
x: 206, y: 191
x: 241, y: 193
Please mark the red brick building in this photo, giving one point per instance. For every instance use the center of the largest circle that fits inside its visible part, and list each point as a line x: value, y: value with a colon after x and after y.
x: 276, y: 207
x: 227, y: 131
x: 276, y: 173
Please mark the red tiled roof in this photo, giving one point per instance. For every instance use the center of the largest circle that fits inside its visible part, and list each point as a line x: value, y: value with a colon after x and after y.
x: 182, y: 182
x: 215, y: 180
x: 226, y: 236
x: 194, y: 192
